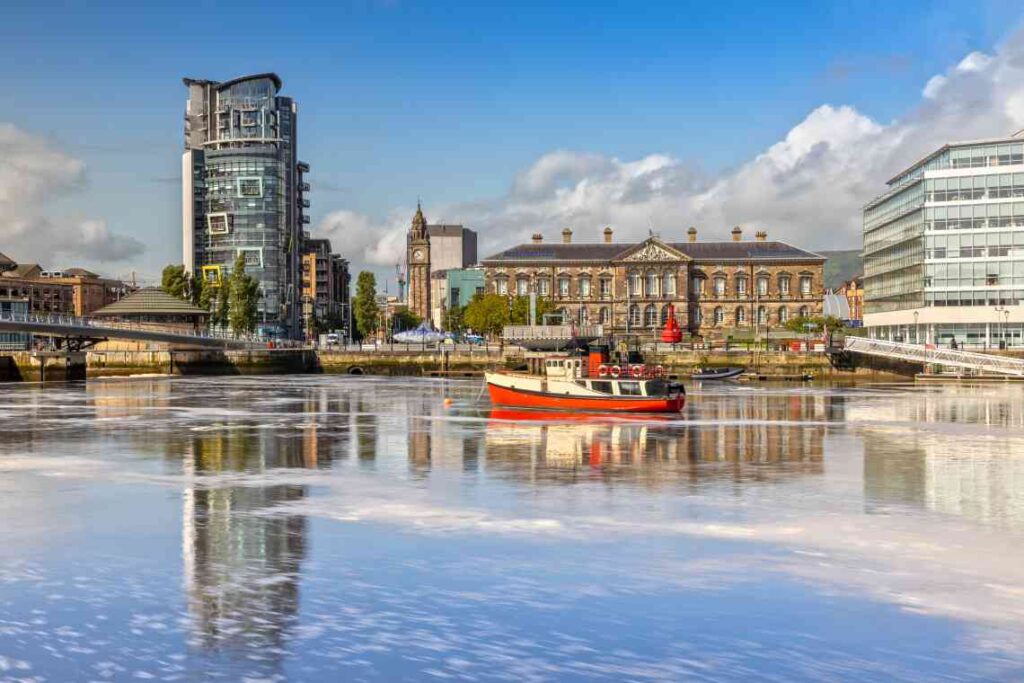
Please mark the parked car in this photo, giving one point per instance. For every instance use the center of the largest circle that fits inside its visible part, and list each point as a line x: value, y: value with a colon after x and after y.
x: 474, y: 339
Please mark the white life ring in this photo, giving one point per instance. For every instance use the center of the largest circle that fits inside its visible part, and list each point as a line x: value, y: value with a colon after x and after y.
x: 615, y: 371
x: 637, y: 371
x: 602, y: 370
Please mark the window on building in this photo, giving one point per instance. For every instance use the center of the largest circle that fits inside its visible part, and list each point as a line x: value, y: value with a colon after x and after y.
x: 805, y: 285
x: 668, y: 284
x: 604, y: 315
x: 783, y: 315
x: 652, y: 284
x: 719, y: 286
x: 634, y: 315
x: 664, y: 314
x: 784, y: 285
x: 805, y: 312
x: 522, y: 286
x: 762, y: 286
x: 584, y: 286
x: 762, y: 315
x: 249, y: 187
x: 563, y: 286
x: 544, y: 287
x: 605, y: 283
x: 719, y: 315
x: 651, y: 316
x: 697, y: 286
x: 501, y: 286
x: 584, y: 316
x: 741, y: 316
x: 741, y: 286
x: 635, y: 285
x: 218, y: 223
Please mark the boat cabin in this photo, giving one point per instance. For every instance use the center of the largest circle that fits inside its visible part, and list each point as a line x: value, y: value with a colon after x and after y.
x: 574, y: 369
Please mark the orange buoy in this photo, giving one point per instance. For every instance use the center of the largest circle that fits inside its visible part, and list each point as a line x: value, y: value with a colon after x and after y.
x: 448, y: 403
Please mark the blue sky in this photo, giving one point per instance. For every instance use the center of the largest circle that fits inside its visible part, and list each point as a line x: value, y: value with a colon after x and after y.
x: 450, y: 100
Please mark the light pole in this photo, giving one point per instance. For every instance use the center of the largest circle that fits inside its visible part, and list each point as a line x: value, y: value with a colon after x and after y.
x: 917, y: 335
x: 999, y: 321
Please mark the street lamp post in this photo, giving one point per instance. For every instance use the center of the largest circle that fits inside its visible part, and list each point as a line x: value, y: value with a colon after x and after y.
x: 917, y: 334
x: 999, y: 327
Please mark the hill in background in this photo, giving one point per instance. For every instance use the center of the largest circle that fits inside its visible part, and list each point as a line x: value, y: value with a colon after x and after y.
x: 842, y: 266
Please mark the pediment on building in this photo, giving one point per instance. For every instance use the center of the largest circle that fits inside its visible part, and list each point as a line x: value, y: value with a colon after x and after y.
x: 651, y: 250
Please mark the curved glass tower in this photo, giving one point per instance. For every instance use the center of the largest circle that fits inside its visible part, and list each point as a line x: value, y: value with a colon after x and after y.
x: 243, y: 192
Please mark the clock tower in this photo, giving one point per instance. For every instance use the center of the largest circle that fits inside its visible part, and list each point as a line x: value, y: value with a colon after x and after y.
x: 417, y: 258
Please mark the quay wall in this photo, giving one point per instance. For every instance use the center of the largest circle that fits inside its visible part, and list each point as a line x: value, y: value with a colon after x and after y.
x: 25, y: 366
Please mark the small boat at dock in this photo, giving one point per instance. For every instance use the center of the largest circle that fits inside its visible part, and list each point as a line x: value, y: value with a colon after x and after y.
x: 717, y: 373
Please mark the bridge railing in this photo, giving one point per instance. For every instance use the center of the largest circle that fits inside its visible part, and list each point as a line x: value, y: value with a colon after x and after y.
x: 931, y: 355
x: 63, y: 320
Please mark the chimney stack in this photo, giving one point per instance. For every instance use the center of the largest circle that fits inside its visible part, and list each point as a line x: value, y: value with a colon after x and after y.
x: 567, y: 236
x: 608, y: 235
x: 692, y: 234
x: 537, y: 238
x: 737, y: 234
x: 761, y: 236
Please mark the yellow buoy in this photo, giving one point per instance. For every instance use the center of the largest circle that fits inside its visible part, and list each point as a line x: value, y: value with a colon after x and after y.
x: 447, y: 403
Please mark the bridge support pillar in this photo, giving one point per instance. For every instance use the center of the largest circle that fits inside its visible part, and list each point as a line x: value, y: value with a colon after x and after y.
x: 59, y: 366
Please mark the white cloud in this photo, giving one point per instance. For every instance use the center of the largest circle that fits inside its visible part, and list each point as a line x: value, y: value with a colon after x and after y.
x: 33, y: 175
x: 808, y: 188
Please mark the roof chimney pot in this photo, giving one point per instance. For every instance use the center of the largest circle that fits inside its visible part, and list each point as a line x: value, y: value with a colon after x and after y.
x: 537, y: 238
x: 761, y: 236
x: 737, y: 234
x: 608, y: 235
x: 691, y: 234
x: 567, y: 236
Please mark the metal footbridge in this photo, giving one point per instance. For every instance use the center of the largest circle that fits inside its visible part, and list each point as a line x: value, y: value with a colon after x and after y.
x: 76, y: 333
x: 980, y: 363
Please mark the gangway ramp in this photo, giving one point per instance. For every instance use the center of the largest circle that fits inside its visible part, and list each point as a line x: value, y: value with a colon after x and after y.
x: 930, y: 355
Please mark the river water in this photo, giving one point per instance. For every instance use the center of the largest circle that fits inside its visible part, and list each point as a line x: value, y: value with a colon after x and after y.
x: 358, y: 529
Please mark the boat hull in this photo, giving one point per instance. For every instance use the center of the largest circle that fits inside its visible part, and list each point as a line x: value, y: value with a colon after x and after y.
x: 520, y: 398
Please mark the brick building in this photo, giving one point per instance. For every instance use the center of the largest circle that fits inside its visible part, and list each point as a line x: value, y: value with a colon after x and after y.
x: 325, y: 284
x: 74, y: 291
x: 716, y: 287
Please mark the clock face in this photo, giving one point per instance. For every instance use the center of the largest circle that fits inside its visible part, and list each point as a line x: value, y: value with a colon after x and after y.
x: 417, y: 254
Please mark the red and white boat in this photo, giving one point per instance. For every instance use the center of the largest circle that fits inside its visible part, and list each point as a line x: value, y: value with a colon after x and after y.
x: 588, y: 384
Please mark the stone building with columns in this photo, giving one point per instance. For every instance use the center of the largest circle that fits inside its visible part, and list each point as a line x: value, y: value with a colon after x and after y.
x: 717, y: 288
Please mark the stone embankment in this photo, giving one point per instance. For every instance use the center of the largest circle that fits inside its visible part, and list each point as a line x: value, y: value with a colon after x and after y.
x: 27, y: 366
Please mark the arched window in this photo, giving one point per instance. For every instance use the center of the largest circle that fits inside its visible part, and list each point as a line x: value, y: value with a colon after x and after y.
x: 501, y: 285
x: 668, y: 284
x: 544, y: 286
x: 805, y: 285
x: 783, y: 314
x: 634, y: 315
x: 652, y: 284
x: 697, y: 286
x: 584, y: 316
x: 741, y: 286
x: 664, y: 314
x: 719, y: 315
x: 605, y: 285
x: 651, y: 316
x: 720, y: 284
x: 584, y: 286
x: 698, y: 315
x: 805, y: 312
x: 604, y: 316
x: 522, y: 286
x: 564, y: 315
x: 762, y: 285
x: 762, y: 315
x: 784, y: 281
x: 741, y: 316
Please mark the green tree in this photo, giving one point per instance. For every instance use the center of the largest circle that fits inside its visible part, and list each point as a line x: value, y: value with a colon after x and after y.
x: 404, y: 319
x: 205, y: 292
x: 454, y: 319
x: 521, y: 310
x: 487, y: 314
x: 196, y: 287
x: 244, y: 294
x: 813, y: 324
x: 174, y: 281
x: 221, y: 311
x: 365, y: 304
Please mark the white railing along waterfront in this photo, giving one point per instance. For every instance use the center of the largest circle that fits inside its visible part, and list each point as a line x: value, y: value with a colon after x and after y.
x: 930, y: 355
x: 72, y: 321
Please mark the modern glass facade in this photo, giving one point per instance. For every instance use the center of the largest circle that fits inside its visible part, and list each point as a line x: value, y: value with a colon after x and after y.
x: 14, y: 341
x: 944, y: 248
x: 244, y: 192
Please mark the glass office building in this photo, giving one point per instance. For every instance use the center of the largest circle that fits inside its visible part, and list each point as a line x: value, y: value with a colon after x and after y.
x: 944, y: 248
x: 244, y: 193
